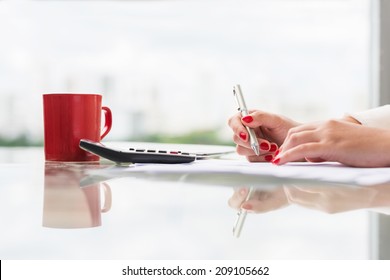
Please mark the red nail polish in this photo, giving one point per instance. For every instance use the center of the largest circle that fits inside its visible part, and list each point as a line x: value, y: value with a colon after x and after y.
x: 273, y: 147
x: 247, y: 207
x: 243, y: 136
x: 264, y: 146
x: 268, y: 158
x: 276, y: 161
x: 277, y: 152
x: 247, y: 119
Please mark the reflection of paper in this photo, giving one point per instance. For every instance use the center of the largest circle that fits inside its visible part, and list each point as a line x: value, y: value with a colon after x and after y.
x: 324, y: 172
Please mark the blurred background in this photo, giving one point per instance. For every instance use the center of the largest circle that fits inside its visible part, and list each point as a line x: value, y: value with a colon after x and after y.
x: 166, y: 68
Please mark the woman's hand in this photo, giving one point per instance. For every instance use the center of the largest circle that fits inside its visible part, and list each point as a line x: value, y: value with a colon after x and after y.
x: 270, y: 129
x: 334, y: 140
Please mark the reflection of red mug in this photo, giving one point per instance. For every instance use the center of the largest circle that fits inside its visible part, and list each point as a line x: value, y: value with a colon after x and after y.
x: 68, y: 205
x: 69, y: 117
x: 75, y: 207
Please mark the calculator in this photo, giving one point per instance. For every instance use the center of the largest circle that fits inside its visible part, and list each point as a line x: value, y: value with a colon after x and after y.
x: 136, y: 155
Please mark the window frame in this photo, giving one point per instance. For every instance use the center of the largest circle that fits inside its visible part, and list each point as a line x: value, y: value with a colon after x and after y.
x: 380, y: 85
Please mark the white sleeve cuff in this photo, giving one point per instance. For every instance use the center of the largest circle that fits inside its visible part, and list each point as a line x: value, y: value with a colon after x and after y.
x: 377, y: 117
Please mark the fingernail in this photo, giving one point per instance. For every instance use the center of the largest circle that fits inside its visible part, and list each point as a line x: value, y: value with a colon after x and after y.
x: 268, y: 158
x: 276, y: 161
x: 273, y: 147
x: 243, y: 192
x: 247, y: 207
x: 264, y: 146
x: 247, y: 119
x: 277, y: 152
x: 242, y: 136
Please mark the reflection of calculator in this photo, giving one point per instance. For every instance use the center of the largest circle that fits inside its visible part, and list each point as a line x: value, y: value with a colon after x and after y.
x: 136, y: 155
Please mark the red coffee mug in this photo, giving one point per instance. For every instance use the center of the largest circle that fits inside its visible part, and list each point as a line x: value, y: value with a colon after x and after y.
x: 69, y: 117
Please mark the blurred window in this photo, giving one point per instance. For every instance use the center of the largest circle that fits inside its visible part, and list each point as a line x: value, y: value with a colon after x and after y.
x: 168, y: 67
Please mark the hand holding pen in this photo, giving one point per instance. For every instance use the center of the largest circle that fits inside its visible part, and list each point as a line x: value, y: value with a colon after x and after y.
x: 252, y: 200
x: 269, y: 130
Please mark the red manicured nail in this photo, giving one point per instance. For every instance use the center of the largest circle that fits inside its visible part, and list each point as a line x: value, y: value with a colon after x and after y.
x: 268, y: 158
x: 247, y: 119
x: 243, y: 136
x: 264, y: 146
x: 277, y: 152
x: 273, y: 147
x: 248, y: 207
x: 276, y: 161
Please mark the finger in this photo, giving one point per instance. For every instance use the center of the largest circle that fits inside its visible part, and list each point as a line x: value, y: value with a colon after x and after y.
x: 315, y: 160
x: 252, y: 157
x: 303, y: 127
x: 308, y: 150
x: 240, y: 142
x: 260, y: 118
x: 292, y: 132
x: 243, y: 148
x: 245, y: 151
x: 265, y: 156
x: 265, y: 201
x: 299, y: 138
x: 256, y: 206
x: 273, y: 147
x: 238, y: 128
x: 269, y: 157
x: 238, y: 197
x: 265, y: 146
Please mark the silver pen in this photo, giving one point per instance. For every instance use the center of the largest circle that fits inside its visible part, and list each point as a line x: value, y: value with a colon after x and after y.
x: 241, y: 215
x: 244, y: 112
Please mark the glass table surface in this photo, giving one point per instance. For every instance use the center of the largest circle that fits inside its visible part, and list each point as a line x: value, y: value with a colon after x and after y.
x: 58, y: 210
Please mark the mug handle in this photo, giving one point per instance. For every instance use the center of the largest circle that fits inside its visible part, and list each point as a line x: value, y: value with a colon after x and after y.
x: 107, y: 197
x: 107, y: 121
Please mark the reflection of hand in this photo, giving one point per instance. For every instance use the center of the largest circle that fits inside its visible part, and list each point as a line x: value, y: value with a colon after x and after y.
x: 270, y: 129
x: 341, y: 141
x: 334, y: 199
x: 261, y: 201
x: 326, y: 198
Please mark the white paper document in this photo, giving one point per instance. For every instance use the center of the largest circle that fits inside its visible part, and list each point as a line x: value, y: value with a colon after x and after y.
x: 322, y: 172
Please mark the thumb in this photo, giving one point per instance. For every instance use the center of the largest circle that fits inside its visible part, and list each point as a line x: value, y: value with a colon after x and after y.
x: 260, y: 118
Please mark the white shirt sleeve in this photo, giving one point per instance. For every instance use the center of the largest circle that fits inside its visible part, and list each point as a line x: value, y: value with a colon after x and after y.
x: 377, y: 117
